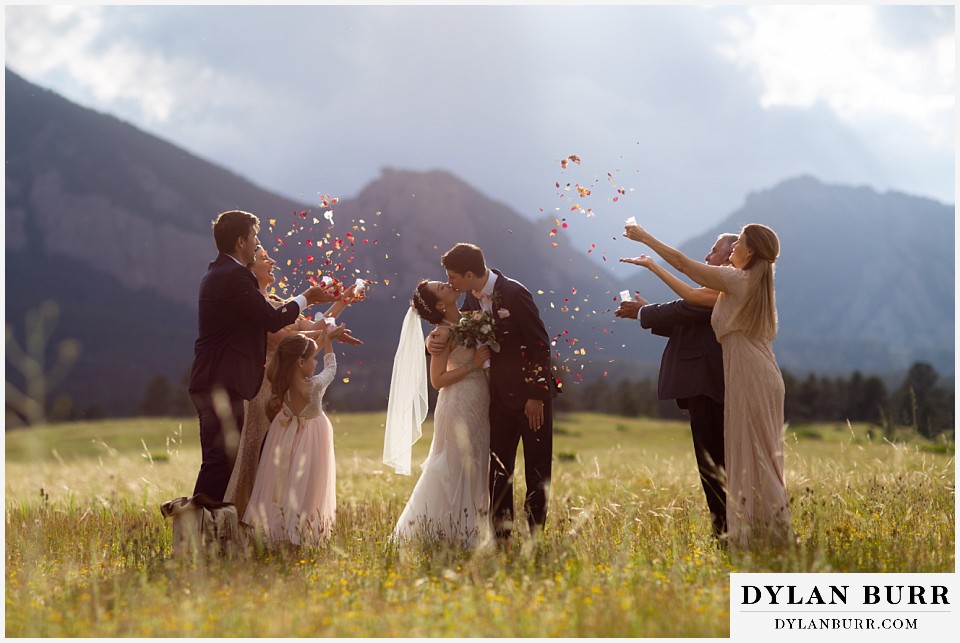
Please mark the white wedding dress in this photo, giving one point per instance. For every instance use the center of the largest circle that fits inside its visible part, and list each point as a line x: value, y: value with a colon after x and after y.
x: 451, y: 500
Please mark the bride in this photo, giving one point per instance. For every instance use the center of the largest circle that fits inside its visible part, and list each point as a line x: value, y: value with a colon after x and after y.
x: 451, y: 500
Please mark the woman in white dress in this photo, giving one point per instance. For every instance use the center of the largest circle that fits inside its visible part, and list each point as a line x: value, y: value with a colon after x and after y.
x: 451, y: 500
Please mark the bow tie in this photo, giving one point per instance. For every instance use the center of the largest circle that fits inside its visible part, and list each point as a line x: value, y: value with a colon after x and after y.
x: 482, y: 296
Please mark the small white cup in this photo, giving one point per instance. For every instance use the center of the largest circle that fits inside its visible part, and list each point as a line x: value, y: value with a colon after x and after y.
x: 625, y: 295
x: 329, y: 321
x: 631, y: 221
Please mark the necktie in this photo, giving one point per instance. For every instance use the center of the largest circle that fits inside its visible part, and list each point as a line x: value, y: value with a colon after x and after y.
x: 486, y: 303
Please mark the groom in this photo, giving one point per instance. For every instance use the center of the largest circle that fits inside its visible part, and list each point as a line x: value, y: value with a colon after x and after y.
x: 230, y: 351
x: 521, y: 387
x: 691, y: 372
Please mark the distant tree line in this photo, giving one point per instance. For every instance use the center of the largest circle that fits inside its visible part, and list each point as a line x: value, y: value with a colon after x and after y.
x: 163, y: 399
x: 919, y: 401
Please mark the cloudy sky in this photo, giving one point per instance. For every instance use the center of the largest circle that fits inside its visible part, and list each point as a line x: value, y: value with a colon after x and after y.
x: 688, y: 109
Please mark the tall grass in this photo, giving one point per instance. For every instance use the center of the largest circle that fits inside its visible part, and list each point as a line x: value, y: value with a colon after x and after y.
x: 627, y: 551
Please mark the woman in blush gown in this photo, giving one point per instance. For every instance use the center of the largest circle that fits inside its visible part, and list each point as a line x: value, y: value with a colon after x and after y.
x: 255, y: 420
x: 745, y: 322
x: 451, y: 500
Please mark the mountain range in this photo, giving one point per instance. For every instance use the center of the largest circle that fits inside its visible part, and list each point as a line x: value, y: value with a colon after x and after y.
x: 864, y: 280
x: 113, y: 225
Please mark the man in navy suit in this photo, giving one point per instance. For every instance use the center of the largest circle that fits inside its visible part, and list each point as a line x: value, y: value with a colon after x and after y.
x: 521, y: 385
x: 691, y: 372
x: 231, y: 346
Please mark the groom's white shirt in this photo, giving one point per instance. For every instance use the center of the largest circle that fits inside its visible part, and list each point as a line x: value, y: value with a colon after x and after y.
x: 486, y: 303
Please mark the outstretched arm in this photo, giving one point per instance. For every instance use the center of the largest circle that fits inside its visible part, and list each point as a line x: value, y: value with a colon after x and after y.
x: 314, y: 328
x: 349, y: 296
x: 697, y: 296
x: 672, y: 314
x: 701, y: 273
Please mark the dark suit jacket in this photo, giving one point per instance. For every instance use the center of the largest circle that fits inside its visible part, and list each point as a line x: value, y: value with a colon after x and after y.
x: 521, y: 370
x: 692, y: 362
x: 234, y: 319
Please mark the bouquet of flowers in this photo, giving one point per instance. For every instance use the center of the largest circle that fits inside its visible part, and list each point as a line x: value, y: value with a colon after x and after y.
x: 476, y: 329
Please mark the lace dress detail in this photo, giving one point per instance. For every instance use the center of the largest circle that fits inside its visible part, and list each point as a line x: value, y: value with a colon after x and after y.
x: 451, y: 500
x: 294, y: 494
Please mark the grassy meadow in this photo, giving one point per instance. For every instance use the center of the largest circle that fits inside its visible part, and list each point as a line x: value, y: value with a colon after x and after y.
x: 627, y: 551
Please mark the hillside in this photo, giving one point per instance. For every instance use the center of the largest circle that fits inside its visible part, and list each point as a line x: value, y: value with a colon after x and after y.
x: 864, y: 280
x: 113, y: 225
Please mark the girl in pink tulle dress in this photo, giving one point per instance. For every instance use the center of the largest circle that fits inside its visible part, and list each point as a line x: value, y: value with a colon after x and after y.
x: 294, y: 495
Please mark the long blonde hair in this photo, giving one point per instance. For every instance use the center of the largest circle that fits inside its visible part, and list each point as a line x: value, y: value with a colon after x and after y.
x: 283, y: 366
x: 758, y: 313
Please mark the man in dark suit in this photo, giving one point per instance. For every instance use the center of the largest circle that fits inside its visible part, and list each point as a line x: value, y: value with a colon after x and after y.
x: 521, y: 385
x: 231, y: 346
x: 691, y: 372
